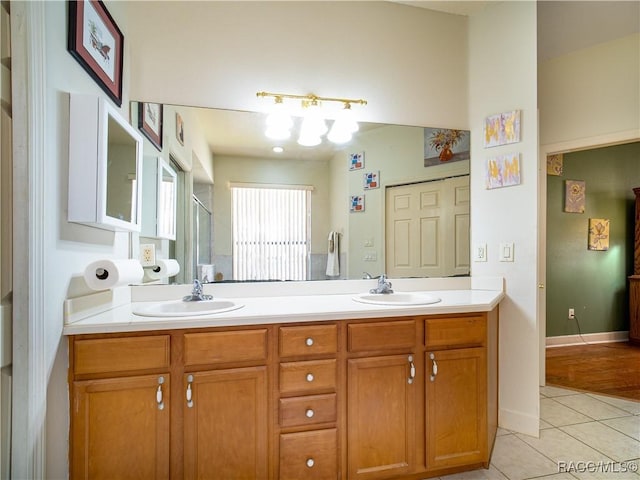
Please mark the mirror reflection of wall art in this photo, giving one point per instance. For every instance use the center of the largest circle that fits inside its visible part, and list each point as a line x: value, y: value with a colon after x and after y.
x: 502, y: 129
x: 150, y: 122
x: 179, y: 128
x: 445, y: 145
x: 554, y: 164
x: 95, y: 41
x: 599, y: 234
x: 356, y: 161
x: 574, y: 196
x: 503, y: 171
x: 372, y: 180
x: 357, y: 203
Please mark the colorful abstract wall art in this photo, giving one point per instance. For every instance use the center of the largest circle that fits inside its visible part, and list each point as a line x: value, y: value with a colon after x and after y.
x: 357, y: 203
x: 554, y: 164
x: 599, y: 234
x: 356, y: 161
x: 502, y: 129
x: 372, y: 180
x: 574, y: 196
x: 503, y: 171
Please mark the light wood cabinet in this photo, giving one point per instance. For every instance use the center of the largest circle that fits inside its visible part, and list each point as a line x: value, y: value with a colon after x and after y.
x: 381, y: 417
x: 225, y: 424
x: 347, y: 400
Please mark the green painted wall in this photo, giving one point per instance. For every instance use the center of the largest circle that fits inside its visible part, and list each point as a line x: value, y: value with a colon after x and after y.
x: 594, y: 283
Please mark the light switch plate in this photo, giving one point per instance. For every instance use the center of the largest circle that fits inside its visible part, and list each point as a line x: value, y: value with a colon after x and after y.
x: 480, y: 252
x: 506, y: 252
x: 148, y: 255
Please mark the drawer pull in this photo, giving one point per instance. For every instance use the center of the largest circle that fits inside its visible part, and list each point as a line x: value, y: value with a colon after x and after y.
x: 159, y: 399
x: 189, y: 393
x: 309, y: 413
x: 310, y: 377
x: 412, y: 370
x: 434, y: 367
x: 309, y: 341
x: 310, y: 462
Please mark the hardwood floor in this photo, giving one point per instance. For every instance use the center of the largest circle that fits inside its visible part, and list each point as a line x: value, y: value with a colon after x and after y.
x: 607, y: 368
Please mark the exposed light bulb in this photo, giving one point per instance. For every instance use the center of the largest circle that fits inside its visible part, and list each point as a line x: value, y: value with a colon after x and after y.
x: 279, y: 122
x: 308, y: 139
x: 344, y: 126
x: 277, y: 149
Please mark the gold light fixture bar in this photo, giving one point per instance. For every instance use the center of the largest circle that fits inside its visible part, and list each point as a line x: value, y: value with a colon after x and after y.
x: 311, y: 98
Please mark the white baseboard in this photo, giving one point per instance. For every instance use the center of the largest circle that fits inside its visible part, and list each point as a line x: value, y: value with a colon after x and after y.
x: 587, y: 338
x: 519, y: 422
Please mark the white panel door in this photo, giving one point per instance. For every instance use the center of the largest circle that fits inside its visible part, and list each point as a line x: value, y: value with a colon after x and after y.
x: 427, y: 229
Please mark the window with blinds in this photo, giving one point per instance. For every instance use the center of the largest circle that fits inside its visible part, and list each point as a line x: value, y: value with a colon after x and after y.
x: 271, y: 232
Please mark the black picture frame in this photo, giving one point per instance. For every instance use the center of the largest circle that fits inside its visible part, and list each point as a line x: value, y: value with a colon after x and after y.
x: 150, y: 122
x: 102, y: 54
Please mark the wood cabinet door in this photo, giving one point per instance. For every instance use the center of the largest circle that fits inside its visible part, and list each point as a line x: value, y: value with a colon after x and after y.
x: 381, y: 414
x: 456, y: 403
x: 121, y: 428
x: 225, y: 424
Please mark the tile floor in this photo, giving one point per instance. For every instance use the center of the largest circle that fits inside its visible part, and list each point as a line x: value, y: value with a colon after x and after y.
x: 582, y: 435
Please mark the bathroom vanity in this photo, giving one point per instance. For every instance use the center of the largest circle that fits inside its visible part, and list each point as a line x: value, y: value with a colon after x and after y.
x: 358, y: 392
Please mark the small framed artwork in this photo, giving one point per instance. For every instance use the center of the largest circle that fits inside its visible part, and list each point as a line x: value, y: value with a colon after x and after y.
x: 503, y: 171
x: 96, y: 42
x: 356, y: 161
x: 150, y: 122
x: 357, y: 203
x: 574, y: 196
x: 502, y: 129
x: 179, y: 128
x: 554, y: 164
x: 599, y: 234
x: 372, y: 180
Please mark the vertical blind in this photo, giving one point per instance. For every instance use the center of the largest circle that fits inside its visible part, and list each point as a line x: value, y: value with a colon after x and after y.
x: 270, y: 233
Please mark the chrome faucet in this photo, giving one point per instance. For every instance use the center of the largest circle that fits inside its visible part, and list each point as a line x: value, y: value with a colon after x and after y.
x: 384, y: 286
x: 196, y: 293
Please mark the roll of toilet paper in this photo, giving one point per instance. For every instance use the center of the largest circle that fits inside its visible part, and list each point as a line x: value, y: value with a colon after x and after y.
x: 164, y: 268
x: 107, y: 274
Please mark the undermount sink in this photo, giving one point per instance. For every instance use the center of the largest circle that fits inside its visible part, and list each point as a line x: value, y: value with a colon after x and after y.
x: 398, y: 298
x: 178, y: 308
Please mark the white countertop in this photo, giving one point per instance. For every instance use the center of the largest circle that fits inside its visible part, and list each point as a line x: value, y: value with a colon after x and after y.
x: 260, y: 310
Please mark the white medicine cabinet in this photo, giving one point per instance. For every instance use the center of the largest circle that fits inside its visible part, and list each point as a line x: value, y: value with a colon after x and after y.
x: 105, y: 166
x: 159, y: 199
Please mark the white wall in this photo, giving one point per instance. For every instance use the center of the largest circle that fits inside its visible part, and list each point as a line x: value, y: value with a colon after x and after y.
x: 591, y: 93
x: 69, y: 247
x: 502, y: 77
x: 410, y: 64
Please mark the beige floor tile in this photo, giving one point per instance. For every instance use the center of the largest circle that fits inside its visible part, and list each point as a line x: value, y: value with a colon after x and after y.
x: 502, y: 431
x: 592, y: 407
x: 518, y: 461
x: 481, y: 474
x: 627, y: 425
x: 612, y: 443
x: 562, y: 448
x: 551, y: 391
x: 606, y: 471
x: 558, y: 415
x: 630, y: 406
x: 544, y: 425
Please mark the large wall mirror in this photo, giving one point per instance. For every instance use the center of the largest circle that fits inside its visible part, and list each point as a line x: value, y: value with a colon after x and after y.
x: 387, y: 201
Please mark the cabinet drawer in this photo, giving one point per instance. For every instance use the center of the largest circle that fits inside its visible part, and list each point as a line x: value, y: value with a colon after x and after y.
x: 308, y: 340
x: 102, y: 355
x: 310, y: 455
x: 443, y: 332
x: 364, y: 337
x: 224, y: 347
x: 309, y: 410
x: 307, y: 377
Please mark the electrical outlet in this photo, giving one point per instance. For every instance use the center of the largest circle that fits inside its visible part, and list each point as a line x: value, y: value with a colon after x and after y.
x: 572, y: 314
x: 148, y: 255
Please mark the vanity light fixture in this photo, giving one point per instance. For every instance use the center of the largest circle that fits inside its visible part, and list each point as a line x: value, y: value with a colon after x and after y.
x: 314, y: 125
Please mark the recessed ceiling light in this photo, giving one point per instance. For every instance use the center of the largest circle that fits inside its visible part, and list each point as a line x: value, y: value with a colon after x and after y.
x: 278, y: 149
